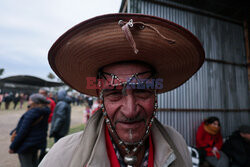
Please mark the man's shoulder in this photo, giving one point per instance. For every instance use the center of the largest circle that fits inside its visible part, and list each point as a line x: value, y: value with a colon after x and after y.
x: 71, y: 139
x: 175, y: 136
x: 173, y: 133
x: 62, y: 150
x: 170, y: 134
x: 177, y: 142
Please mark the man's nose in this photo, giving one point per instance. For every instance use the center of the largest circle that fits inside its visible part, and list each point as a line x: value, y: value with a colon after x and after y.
x: 129, y: 108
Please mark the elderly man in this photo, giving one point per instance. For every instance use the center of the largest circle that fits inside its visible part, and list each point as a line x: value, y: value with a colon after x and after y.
x: 126, y: 60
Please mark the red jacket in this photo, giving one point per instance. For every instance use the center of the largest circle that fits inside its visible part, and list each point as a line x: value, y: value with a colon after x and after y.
x: 208, y: 141
x: 52, y: 107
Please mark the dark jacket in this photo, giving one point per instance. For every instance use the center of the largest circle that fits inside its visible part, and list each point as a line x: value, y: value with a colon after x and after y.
x: 29, y: 133
x: 61, y: 118
x: 8, y: 99
x: 16, y: 99
x: 238, y: 150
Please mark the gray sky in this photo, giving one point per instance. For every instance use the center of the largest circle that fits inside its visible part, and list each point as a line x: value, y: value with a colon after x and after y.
x: 28, y: 28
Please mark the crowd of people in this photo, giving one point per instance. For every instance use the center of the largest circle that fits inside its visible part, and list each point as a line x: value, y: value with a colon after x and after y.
x: 234, y: 152
x: 30, y: 134
x: 18, y: 99
x: 8, y: 98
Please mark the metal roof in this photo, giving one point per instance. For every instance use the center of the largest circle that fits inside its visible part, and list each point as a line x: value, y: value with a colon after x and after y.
x: 237, y: 10
x: 30, y: 80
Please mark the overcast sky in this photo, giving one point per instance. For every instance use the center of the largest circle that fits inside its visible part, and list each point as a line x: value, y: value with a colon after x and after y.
x: 28, y: 28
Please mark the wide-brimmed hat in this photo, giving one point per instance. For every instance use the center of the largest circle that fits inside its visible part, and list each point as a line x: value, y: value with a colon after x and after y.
x: 174, y: 52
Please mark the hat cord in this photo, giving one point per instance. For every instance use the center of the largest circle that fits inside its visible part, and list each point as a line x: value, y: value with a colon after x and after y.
x: 128, y: 34
x: 126, y: 29
x: 170, y: 41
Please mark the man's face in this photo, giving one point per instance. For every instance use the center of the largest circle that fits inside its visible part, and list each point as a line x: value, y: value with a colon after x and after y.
x: 42, y: 92
x: 129, y: 112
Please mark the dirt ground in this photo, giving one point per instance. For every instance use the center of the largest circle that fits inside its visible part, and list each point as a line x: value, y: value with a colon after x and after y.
x: 8, y: 121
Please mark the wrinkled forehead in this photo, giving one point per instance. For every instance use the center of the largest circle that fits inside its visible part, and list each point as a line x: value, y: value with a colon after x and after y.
x: 125, y: 70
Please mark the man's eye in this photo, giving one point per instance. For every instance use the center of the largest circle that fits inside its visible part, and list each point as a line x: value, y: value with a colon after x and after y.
x: 113, y: 95
x: 143, y: 93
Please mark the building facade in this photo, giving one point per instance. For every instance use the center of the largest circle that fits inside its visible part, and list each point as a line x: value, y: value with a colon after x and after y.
x: 220, y: 87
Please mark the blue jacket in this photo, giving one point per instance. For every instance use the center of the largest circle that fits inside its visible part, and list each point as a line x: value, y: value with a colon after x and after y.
x: 61, y: 117
x: 28, y: 134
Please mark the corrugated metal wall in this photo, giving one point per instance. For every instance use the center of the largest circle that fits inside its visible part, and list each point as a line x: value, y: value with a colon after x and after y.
x: 216, y: 85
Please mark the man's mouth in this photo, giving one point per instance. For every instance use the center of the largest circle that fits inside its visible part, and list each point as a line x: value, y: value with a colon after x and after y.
x: 130, y: 124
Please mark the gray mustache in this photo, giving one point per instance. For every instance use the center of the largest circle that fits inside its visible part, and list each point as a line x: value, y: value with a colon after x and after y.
x: 131, y: 120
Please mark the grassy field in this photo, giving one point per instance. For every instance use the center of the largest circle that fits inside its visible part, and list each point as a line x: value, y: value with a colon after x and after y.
x: 2, y: 107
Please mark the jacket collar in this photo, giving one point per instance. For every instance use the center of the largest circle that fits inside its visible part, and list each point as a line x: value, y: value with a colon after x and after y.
x: 99, y: 153
x: 163, y: 153
x: 89, y: 141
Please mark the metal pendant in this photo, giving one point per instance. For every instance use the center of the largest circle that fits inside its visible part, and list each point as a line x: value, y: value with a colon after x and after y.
x: 130, y: 160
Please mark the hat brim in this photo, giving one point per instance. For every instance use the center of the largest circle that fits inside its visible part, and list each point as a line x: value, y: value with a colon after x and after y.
x: 84, y: 49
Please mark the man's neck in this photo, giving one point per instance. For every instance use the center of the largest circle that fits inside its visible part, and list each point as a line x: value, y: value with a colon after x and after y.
x: 139, y: 154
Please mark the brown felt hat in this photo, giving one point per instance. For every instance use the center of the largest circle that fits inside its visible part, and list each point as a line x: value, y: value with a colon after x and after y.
x: 174, y: 52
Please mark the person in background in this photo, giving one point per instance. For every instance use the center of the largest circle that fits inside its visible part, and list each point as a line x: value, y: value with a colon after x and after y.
x: 22, y: 99
x: 52, y: 104
x: 1, y: 99
x: 51, y: 95
x: 16, y: 99
x: 31, y: 131
x: 96, y: 106
x: 61, y: 118
x: 89, y: 100
x: 237, y: 147
x: 7, y: 99
x: 86, y: 114
x: 209, y: 139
